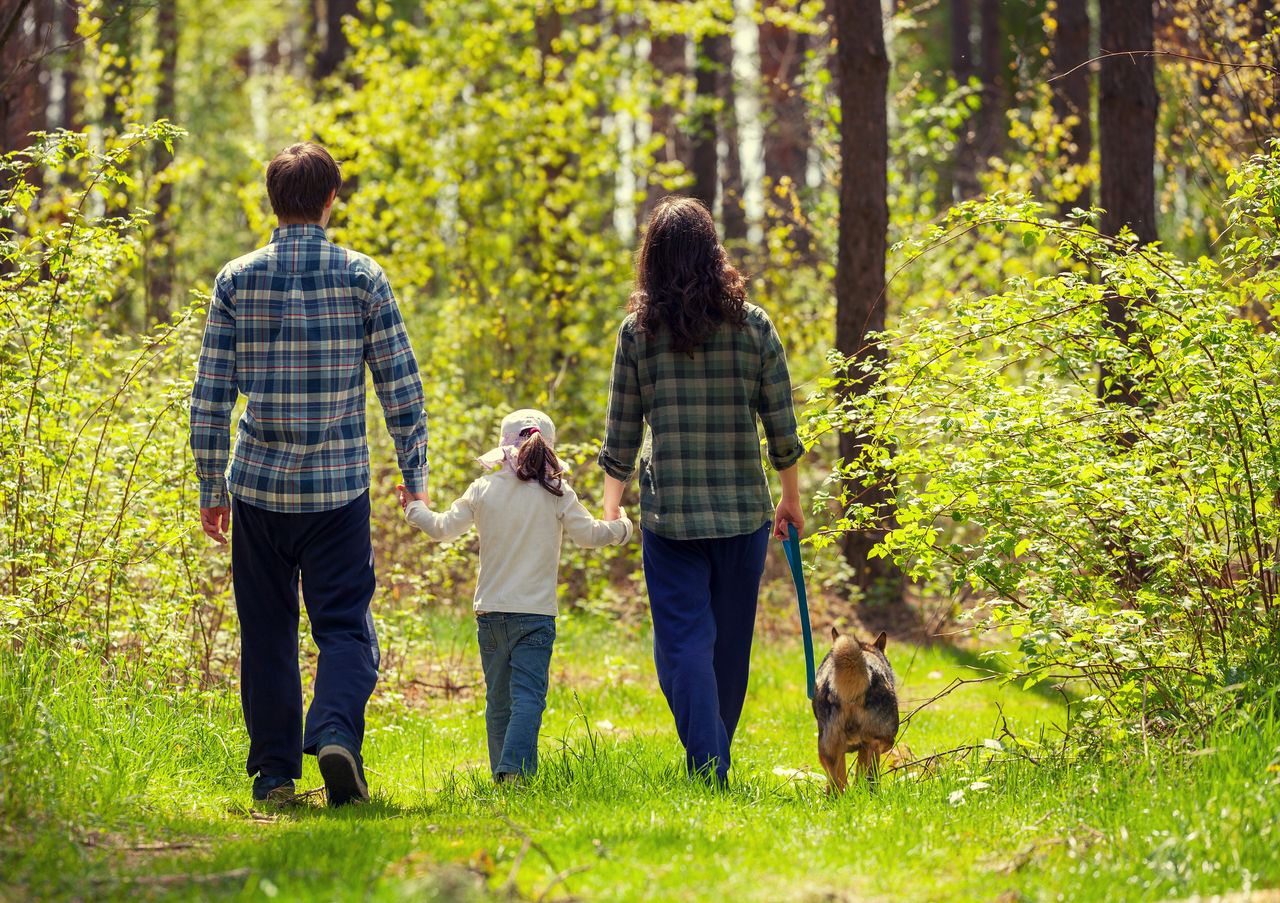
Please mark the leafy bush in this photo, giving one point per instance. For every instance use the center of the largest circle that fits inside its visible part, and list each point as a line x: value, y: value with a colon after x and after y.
x: 95, y: 486
x: 1133, y: 547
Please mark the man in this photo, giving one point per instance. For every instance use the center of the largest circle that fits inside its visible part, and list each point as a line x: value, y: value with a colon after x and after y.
x: 291, y: 326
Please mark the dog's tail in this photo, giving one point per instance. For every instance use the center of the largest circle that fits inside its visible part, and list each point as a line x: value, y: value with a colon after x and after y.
x: 851, y: 674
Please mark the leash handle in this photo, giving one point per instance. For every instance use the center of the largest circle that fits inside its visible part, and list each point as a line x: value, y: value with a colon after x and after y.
x: 791, y: 546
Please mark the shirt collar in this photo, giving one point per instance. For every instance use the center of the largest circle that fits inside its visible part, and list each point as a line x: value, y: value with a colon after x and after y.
x: 297, y: 230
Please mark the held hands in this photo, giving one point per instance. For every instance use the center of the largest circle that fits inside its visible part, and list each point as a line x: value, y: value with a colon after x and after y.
x: 612, y: 512
x: 404, y: 496
x: 216, y: 522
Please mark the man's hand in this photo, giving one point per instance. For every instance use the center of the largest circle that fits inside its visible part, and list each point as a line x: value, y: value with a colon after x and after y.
x: 405, y: 497
x: 216, y: 522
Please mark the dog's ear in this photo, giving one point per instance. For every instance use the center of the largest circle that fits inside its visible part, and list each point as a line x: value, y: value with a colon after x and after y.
x: 835, y: 634
x: 880, y: 641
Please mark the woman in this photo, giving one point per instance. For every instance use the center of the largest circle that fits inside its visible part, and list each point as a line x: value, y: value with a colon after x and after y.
x: 698, y: 365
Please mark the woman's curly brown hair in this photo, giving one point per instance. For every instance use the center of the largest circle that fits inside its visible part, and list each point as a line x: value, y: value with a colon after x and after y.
x: 684, y: 281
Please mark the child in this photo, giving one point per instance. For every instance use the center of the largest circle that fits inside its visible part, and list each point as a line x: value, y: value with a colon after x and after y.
x: 519, y: 509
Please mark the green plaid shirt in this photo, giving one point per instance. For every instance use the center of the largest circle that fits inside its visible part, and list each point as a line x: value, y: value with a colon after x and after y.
x: 700, y: 469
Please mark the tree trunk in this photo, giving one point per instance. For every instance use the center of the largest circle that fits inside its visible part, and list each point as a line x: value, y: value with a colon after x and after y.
x: 160, y: 253
x: 331, y: 40
x: 1127, y: 104
x: 965, y: 176
x: 19, y: 63
x: 116, y: 42
x: 703, y: 125
x: 1071, y: 93
x: 65, y: 111
x: 667, y: 56
x: 992, y: 125
x: 733, y: 213
x: 787, y: 137
x: 862, y: 74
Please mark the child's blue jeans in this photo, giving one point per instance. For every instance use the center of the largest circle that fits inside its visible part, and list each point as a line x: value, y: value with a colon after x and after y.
x: 515, y: 651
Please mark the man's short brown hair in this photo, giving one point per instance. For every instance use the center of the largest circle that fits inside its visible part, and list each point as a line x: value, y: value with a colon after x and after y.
x: 300, y: 180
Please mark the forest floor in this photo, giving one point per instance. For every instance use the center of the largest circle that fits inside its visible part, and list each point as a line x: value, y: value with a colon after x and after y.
x: 121, y: 790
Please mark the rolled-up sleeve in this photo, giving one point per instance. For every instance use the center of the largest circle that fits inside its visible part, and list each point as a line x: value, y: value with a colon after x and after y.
x: 624, y: 422
x: 213, y: 396
x: 396, y: 380
x: 777, y: 411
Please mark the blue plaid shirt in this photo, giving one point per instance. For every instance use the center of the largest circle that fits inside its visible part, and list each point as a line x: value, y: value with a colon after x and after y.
x: 291, y: 326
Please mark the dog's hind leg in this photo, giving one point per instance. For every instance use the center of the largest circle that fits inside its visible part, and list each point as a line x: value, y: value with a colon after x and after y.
x: 831, y: 752
x: 869, y: 764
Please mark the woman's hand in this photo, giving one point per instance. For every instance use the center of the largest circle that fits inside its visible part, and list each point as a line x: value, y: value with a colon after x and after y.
x: 790, y: 511
x: 613, y: 497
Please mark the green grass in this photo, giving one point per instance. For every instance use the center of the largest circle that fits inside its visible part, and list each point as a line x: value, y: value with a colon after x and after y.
x: 119, y: 789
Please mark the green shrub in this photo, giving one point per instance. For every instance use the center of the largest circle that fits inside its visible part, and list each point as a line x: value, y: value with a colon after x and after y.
x: 96, y: 500
x: 1129, y: 547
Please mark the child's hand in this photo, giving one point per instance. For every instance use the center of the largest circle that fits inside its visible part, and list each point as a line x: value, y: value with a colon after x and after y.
x: 612, y: 512
x: 402, y: 496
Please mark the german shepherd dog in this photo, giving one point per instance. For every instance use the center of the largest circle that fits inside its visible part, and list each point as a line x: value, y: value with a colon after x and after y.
x: 856, y: 704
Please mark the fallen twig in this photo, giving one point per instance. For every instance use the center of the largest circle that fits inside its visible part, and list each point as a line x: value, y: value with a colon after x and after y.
x: 929, y: 759
x: 177, y: 880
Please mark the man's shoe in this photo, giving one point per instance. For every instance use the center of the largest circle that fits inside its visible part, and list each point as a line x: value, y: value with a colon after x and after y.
x: 343, y: 774
x: 273, y: 789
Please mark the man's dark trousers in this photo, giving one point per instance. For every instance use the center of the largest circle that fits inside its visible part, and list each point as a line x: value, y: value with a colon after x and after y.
x: 702, y: 594
x: 333, y: 554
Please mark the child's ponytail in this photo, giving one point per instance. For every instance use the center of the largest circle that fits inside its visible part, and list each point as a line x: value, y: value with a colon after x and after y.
x: 536, y: 461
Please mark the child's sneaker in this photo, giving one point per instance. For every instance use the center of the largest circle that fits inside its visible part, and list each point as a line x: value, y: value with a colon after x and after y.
x: 273, y: 790
x: 343, y: 773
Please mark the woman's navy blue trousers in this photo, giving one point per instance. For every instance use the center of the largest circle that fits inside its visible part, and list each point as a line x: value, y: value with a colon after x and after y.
x: 702, y: 593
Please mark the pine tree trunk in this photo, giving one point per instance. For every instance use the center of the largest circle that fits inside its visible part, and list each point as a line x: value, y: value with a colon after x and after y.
x: 332, y: 44
x: 787, y: 135
x: 992, y: 124
x: 116, y: 36
x: 18, y: 75
x: 965, y: 175
x: 1127, y: 105
x: 1071, y: 92
x: 704, y: 125
x: 160, y: 253
x: 67, y: 106
x: 667, y: 57
x: 862, y: 74
x: 733, y: 213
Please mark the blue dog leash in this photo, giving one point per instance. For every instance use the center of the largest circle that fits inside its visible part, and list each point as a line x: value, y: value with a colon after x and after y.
x: 791, y: 546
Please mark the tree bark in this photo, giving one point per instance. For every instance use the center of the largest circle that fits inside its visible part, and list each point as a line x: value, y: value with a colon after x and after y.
x: 1127, y: 106
x: 787, y: 134
x: 160, y: 253
x: 667, y: 56
x: 67, y: 110
x: 1071, y: 93
x: 20, y: 111
x: 733, y: 213
x: 704, y: 125
x: 116, y: 38
x: 862, y: 74
x: 964, y: 182
x: 992, y: 125
x: 332, y: 44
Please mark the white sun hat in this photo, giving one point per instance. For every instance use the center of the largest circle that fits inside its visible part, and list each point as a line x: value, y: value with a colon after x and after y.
x: 516, y: 427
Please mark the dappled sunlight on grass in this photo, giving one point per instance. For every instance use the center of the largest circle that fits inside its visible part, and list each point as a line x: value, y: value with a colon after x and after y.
x: 149, y: 797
